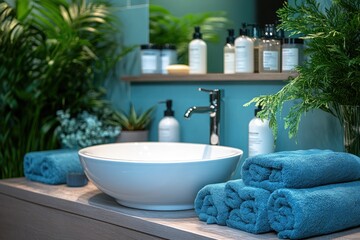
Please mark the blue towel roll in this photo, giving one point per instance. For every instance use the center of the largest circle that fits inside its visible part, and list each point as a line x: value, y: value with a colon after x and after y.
x: 210, y: 204
x: 33, y: 159
x: 300, y: 169
x: 302, y: 213
x: 249, y: 212
x: 232, y: 189
x: 51, y: 167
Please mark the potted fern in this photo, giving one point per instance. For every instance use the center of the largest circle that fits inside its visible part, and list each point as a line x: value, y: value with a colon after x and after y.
x: 52, y: 54
x: 134, y: 125
x: 330, y: 78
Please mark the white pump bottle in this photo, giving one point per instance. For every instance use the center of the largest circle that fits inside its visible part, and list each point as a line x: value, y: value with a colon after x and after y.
x: 197, y: 54
x: 169, y: 127
x: 261, y: 139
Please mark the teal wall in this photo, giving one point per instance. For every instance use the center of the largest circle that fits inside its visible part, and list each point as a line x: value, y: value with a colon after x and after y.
x: 317, y: 130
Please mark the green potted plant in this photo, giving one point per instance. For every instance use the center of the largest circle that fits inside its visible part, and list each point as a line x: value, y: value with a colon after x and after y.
x: 52, y: 54
x: 166, y: 28
x: 330, y: 78
x: 134, y: 125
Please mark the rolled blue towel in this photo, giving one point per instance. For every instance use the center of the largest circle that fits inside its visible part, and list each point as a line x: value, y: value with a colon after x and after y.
x: 33, y: 159
x: 232, y: 193
x: 249, y: 208
x: 210, y: 204
x: 300, y: 169
x: 51, y: 167
x: 302, y: 213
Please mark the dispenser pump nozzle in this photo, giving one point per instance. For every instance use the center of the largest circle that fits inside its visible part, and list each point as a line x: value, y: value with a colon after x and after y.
x: 197, y: 34
x: 168, y: 112
x: 258, y: 109
x: 231, y: 37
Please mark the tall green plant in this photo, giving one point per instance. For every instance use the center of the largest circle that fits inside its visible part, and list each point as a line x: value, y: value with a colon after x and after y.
x: 167, y: 28
x: 331, y: 76
x: 51, y: 51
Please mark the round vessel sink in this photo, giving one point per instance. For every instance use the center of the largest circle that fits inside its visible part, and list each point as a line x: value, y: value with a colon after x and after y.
x: 157, y: 175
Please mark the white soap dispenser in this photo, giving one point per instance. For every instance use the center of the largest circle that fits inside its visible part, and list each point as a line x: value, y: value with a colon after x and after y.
x: 261, y: 138
x: 197, y: 54
x: 169, y: 127
x: 244, y: 52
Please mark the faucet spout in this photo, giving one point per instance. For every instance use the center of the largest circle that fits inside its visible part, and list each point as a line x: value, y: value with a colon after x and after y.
x: 214, y: 111
x: 195, y: 109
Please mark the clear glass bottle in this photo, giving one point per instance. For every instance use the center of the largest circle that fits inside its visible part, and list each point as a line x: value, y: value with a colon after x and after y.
x: 269, y: 51
x: 292, y: 53
x: 255, y: 35
x: 229, y: 53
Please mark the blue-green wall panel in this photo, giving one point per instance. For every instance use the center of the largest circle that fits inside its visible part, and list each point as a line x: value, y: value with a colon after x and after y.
x: 317, y: 130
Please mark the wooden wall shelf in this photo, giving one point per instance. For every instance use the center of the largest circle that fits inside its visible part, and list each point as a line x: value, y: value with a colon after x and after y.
x: 211, y: 77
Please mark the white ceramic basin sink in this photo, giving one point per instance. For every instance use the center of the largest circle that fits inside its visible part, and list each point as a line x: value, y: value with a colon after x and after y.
x: 157, y: 176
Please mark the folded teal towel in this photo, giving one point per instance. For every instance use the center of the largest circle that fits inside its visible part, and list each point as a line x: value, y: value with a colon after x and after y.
x: 210, y: 204
x: 51, y: 167
x: 300, y: 169
x: 232, y: 193
x: 302, y: 213
x: 248, y: 207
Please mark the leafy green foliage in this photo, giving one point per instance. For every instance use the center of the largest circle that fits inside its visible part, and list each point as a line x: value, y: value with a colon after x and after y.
x: 51, y: 53
x: 84, y: 130
x: 331, y: 76
x: 166, y: 28
x: 132, y: 121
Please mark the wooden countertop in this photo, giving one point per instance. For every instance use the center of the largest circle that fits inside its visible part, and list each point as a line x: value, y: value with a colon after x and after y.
x: 89, y: 202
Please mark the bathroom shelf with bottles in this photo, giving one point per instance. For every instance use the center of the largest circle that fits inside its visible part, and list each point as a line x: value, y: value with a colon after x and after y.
x: 211, y: 77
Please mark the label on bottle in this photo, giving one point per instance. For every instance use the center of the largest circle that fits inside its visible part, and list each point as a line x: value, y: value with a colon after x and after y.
x: 290, y: 58
x: 197, y: 58
x: 149, y: 62
x: 241, y: 61
x: 229, y: 63
x: 165, y: 61
x: 271, y: 60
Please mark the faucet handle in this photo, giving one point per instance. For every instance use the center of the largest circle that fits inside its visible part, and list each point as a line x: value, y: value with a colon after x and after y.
x: 215, y: 94
x: 209, y: 90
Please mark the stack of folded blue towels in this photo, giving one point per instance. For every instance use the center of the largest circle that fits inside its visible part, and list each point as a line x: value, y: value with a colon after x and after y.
x: 298, y: 194
x: 52, y: 166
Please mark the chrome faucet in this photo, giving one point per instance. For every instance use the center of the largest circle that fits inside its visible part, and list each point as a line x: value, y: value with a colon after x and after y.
x: 213, y: 110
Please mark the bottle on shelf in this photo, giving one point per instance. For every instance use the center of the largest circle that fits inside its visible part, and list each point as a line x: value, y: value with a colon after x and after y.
x: 168, y: 57
x: 269, y: 51
x: 256, y: 37
x: 292, y: 53
x: 229, y: 53
x: 244, y: 52
x: 197, y: 53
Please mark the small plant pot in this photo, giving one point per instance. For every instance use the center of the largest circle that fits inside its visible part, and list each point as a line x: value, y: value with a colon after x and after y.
x: 133, y: 136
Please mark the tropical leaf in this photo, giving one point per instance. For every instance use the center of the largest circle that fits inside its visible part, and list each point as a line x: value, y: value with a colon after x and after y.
x: 51, y: 52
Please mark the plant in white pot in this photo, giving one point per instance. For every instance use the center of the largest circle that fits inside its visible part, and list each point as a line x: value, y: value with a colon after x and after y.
x: 330, y: 78
x: 134, y: 126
